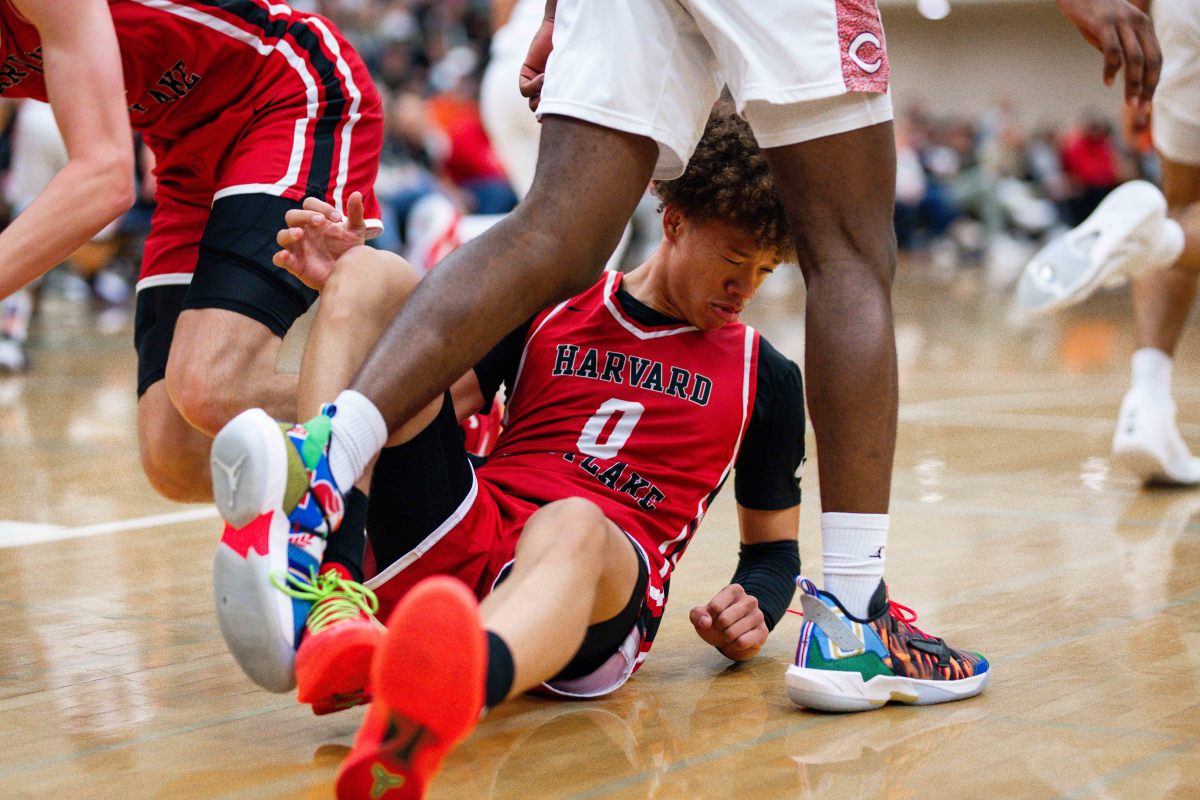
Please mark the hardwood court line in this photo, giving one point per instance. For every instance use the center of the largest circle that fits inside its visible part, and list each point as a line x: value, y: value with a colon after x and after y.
x: 1094, y: 786
x: 636, y: 778
x: 1069, y: 517
x: 1111, y: 624
x: 1058, y: 725
x: 1088, y: 426
x: 1007, y: 401
x: 58, y: 533
x: 138, y: 741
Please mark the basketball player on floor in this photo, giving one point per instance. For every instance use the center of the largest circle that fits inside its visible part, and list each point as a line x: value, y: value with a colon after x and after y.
x: 1153, y: 237
x: 630, y: 404
x: 811, y: 79
x: 249, y: 108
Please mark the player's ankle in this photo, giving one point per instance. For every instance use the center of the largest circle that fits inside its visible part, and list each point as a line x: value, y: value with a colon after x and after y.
x: 500, y: 674
x: 1151, y: 372
x: 854, y: 548
x: 359, y: 433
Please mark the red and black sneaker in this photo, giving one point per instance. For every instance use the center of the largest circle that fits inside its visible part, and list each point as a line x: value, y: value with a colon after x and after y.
x: 427, y: 680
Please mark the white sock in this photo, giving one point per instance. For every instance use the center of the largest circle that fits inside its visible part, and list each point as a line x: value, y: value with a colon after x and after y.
x: 1152, y: 372
x: 853, y: 546
x: 359, y: 432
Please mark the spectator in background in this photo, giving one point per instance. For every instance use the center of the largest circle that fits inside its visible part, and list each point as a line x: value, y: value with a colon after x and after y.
x: 471, y: 163
x: 1091, y: 162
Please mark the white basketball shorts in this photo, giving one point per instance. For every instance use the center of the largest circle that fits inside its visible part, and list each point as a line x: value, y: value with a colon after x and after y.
x: 798, y: 69
x: 1176, y: 124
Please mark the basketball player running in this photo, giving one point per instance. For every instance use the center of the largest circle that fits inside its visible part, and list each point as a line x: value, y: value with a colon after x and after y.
x: 623, y: 97
x: 1153, y: 237
x: 249, y: 107
x: 630, y: 405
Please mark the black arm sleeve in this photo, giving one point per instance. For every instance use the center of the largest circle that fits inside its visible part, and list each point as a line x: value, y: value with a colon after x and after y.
x: 500, y: 365
x: 767, y: 571
x: 768, y: 466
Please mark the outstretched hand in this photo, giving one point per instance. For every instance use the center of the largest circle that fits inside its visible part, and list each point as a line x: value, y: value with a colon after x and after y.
x: 316, y: 237
x: 732, y: 623
x: 1123, y: 33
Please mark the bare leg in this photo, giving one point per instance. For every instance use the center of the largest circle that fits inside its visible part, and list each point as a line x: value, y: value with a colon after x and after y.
x: 364, y: 293
x: 1162, y: 299
x: 174, y: 454
x: 1161, y: 302
x: 553, y: 245
x: 1147, y: 440
x: 221, y: 363
x: 574, y: 568
x: 1181, y: 185
x: 838, y: 192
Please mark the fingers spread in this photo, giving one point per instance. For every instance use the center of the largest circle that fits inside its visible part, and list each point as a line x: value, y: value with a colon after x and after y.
x: 321, y: 207
x: 355, y: 210
x: 1135, y: 60
x: 1153, y: 66
x: 1110, y: 46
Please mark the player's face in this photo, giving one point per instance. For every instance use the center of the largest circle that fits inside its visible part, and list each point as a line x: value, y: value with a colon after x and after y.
x: 720, y: 269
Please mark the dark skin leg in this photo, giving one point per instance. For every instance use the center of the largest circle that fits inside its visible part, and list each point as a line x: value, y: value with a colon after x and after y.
x: 839, y: 194
x: 1163, y: 298
x: 554, y: 245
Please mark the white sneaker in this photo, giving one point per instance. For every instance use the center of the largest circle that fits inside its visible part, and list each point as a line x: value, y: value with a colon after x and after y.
x: 1124, y: 236
x: 1147, y: 442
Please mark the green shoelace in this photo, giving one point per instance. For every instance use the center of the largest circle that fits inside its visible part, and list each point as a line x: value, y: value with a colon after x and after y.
x: 334, y: 598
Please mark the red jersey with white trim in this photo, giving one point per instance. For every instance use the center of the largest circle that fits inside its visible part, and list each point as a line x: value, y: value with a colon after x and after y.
x: 188, y: 63
x: 233, y: 97
x: 645, y: 422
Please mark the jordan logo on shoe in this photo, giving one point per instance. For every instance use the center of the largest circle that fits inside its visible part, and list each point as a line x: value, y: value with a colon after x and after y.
x: 877, y: 554
x: 384, y: 781
x: 233, y: 474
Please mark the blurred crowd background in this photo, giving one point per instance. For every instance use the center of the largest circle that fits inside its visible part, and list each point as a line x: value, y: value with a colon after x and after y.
x: 978, y: 190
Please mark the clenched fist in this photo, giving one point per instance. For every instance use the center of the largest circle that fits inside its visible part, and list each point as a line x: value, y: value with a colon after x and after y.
x: 732, y: 623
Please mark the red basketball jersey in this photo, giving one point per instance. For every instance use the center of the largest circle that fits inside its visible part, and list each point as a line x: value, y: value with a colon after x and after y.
x: 189, y: 63
x: 645, y: 422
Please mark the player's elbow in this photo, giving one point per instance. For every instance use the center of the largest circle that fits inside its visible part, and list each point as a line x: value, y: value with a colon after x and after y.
x: 120, y: 178
x: 113, y: 178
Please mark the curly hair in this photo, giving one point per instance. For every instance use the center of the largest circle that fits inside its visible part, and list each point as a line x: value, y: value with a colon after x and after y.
x: 727, y: 179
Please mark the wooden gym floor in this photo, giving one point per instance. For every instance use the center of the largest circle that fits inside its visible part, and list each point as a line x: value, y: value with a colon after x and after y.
x: 1010, y: 535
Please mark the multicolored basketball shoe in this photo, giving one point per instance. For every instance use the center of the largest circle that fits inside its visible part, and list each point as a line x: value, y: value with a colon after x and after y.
x: 427, y: 678
x: 844, y: 663
x: 273, y: 486
x: 340, y: 637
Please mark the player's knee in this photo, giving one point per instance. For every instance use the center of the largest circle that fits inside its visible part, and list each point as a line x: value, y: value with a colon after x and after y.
x: 206, y: 388
x: 870, y: 257
x: 573, y: 525
x: 172, y: 475
x: 578, y: 253
x: 367, y: 282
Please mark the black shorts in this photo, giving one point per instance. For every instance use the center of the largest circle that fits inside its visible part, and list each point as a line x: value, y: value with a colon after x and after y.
x: 417, y: 486
x: 233, y: 272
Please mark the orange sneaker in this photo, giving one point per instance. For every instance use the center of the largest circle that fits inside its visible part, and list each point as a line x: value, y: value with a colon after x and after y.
x: 341, y: 635
x: 427, y: 678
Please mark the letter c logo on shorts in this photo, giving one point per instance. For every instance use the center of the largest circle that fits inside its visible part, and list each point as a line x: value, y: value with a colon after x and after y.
x: 865, y: 38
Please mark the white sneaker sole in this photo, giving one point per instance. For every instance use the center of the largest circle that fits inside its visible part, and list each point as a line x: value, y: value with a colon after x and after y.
x: 1142, y: 462
x: 249, y: 464
x: 1124, y: 214
x: 830, y: 690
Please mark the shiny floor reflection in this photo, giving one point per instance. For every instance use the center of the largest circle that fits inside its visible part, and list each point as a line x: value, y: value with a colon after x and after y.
x: 1011, y: 535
